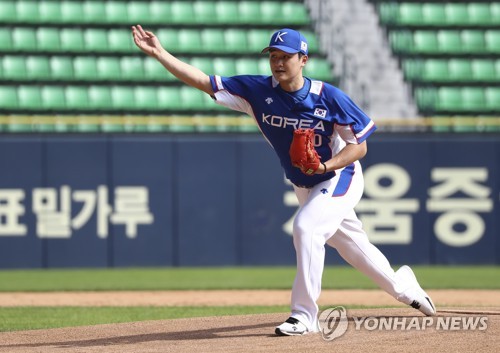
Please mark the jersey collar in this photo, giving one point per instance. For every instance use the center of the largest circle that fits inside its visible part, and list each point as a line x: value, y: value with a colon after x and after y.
x: 316, y: 86
x: 274, y: 82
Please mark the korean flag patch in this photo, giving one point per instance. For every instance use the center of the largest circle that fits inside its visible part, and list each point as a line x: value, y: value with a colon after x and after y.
x: 320, y: 112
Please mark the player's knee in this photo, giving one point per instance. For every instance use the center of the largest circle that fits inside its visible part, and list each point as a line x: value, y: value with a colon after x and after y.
x: 301, y: 233
x: 300, y: 227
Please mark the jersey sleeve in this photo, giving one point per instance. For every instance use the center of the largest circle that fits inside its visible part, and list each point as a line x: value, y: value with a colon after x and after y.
x: 353, y: 125
x: 231, y: 92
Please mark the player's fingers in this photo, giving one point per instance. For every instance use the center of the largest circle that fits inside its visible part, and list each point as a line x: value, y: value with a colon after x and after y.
x: 150, y: 34
x: 134, y: 34
x: 136, y: 41
x: 141, y: 31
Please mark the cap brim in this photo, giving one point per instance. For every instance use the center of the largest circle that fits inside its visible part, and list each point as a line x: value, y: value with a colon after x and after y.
x: 280, y: 47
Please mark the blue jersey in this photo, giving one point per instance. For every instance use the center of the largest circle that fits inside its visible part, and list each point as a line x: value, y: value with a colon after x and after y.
x: 335, y: 118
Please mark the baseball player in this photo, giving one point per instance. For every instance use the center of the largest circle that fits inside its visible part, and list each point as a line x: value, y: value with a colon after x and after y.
x: 284, y: 102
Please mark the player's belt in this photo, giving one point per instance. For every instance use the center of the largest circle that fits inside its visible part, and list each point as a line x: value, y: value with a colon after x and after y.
x: 304, y: 186
x: 326, y: 176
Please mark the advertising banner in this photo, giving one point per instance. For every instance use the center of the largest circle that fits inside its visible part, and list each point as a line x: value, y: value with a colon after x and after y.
x: 222, y: 200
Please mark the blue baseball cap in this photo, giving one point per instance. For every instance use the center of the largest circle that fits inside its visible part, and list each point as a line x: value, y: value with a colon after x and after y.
x: 288, y: 40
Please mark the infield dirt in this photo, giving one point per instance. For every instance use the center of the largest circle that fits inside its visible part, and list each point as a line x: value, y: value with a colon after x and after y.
x: 255, y: 333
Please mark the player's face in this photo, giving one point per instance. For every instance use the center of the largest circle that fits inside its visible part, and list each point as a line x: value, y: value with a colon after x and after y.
x: 286, y: 67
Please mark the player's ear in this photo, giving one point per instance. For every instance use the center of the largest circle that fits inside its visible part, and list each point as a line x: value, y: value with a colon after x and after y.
x: 304, y: 59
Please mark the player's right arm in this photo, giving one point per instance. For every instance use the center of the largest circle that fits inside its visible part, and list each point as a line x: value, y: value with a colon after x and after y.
x: 190, y: 75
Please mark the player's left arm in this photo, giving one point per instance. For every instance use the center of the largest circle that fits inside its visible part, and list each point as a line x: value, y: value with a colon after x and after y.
x: 354, y: 127
x: 349, y: 154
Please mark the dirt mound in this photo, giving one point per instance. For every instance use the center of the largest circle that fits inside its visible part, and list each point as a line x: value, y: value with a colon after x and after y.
x: 254, y: 333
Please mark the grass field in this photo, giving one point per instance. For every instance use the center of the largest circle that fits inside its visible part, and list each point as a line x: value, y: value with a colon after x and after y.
x: 30, y: 318
x: 435, y: 277
x: 22, y: 318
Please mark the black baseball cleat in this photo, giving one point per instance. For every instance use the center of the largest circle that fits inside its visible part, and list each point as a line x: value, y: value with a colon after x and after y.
x: 415, y: 296
x: 291, y: 327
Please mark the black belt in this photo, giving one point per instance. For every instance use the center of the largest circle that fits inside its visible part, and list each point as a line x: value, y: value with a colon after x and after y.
x: 327, y: 176
x: 304, y: 186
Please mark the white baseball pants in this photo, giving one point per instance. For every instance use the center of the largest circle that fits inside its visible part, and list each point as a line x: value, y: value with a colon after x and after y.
x: 326, y: 215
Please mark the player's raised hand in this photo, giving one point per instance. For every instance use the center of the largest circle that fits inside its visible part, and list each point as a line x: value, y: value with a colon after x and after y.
x: 146, y: 41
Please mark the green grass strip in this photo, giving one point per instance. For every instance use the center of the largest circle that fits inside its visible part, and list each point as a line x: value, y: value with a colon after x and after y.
x: 42, y: 317
x: 32, y: 318
x: 334, y: 277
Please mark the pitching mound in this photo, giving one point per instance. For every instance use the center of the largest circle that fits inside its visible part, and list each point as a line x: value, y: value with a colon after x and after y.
x: 254, y: 333
x: 468, y: 321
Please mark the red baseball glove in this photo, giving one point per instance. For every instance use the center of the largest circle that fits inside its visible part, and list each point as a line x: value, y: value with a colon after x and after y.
x: 302, y: 152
